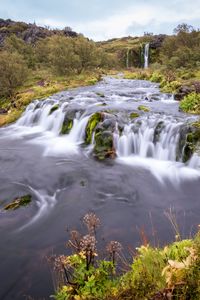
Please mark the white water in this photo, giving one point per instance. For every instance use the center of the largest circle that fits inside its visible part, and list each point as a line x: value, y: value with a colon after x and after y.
x: 146, y: 56
x: 139, y: 139
x: 140, y: 145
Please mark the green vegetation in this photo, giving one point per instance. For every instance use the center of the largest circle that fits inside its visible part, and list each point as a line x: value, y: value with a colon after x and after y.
x: 154, y: 273
x: 53, y: 64
x: 134, y: 115
x: 191, y: 103
x: 18, y: 202
x: 92, y: 123
x: 144, y: 108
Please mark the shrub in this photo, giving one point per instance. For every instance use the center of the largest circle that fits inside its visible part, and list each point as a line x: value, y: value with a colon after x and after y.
x: 191, y: 103
x: 13, y: 72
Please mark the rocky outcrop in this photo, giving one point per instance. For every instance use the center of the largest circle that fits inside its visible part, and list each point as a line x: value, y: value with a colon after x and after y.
x: 157, y: 41
x: 30, y: 33
x: 186, y: 89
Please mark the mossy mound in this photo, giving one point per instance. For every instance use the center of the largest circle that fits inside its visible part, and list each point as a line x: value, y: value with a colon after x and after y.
x: 134, y: 115
x: 18, y: 202
x: 66, y: 127
x: 189, y: 142
x: 143, y: 108
x: 54, y: 108
x: 91, y: 125
x: 104, y: 147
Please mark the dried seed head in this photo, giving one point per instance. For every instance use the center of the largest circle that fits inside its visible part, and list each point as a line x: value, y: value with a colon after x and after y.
x: 88, y: 243
x: 91, y: 221
x: 60, y: 262
x: 114, y: 247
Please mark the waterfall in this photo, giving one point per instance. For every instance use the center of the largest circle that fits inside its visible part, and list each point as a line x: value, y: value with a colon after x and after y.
x: 127, y: 58
x: 146, y: 56
x: 149, y: 138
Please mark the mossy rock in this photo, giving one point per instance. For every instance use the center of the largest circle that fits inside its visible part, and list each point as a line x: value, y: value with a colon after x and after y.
x: 134, y: 115
x: 91, y: 125
x: 158, y: 130
x: 54, y: 108
x: 100, y: 95
x: 66, y: 127
x: 104, y: 147
x: 143, y: 108
x: 191, y: 143
x: 18, y: 202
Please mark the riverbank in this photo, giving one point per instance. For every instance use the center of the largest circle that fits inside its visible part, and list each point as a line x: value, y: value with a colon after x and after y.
x: 39, y: 85
x: 184, y: 84
x: 170, y: 272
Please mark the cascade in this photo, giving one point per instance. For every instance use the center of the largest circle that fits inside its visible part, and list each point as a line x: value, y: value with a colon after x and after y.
x: 146, y: 56
x: 150, y: 137
x: 127, y: 58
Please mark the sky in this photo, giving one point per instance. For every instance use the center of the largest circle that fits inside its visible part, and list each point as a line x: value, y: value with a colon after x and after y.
x: 105, y: 19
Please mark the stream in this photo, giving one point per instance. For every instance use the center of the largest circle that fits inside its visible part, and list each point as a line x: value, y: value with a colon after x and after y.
x: 129, y: 193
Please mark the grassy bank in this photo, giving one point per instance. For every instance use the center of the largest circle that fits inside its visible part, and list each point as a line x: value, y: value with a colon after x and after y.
x: 171, y: 272
x: 185, y: 84
x: 39, y: 85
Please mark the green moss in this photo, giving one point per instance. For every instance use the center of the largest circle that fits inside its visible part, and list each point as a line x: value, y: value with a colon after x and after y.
x: 104, y: 145
x: 134, y: 115
x: 66, y: 127
x: 18, y: 202
x: 191, y: 103
x: 91, y: 125
x: 192, y: 140
x: 54, y: 108
x: 143, y: 108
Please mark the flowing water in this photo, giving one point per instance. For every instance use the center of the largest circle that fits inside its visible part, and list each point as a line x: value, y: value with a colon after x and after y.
x: 146, y: 56
x: 128, y: 193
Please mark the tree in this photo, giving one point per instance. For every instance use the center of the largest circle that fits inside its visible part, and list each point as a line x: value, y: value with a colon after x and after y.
x: 13, y: 72
x: 62, y: 57
x: 184, y: 27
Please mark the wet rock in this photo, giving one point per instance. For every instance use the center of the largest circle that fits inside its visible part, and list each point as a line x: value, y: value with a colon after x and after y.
x: 144, y: 108
x: 91, y: 126
x: 184, y: 91
x: 189, y: 142
x: 134, y: 115
x: 157, y: 132
x: 54, y: 108
x: 104, y: 146
x: 18, y: 202
x: 70, y: 115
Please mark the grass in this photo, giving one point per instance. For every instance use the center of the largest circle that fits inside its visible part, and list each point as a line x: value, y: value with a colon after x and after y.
x: 42, y: 84
x: 173, y: 270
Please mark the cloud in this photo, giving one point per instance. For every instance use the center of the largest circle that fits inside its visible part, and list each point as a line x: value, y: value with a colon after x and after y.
x: 102, y: 19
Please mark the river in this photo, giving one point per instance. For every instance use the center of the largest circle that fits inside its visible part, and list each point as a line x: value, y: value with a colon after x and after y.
x: 129, y: 193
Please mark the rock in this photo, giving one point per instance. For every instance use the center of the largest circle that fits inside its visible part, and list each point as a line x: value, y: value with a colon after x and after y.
x: 189, y: 142
x: 144, y: 108
x: 18, y: 202
x: 157, y: 132
x: 3, y: 111
x: 104, y: 146
x: 134, y: 115
x: 70, y: 115
x: 184, y: 91
x: 54, y: 108
x: 91, y: 126
x: 30, y: 33
x: 157, y: 41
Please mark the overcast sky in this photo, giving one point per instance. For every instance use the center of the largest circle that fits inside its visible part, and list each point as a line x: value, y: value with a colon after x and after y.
x: 104, y: 19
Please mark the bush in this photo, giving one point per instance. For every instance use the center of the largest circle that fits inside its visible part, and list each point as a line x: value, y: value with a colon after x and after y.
x: 13, y: 72
x: 191, y: 103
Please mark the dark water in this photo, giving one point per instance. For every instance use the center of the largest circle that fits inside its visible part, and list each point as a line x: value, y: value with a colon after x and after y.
x: 65, y: 186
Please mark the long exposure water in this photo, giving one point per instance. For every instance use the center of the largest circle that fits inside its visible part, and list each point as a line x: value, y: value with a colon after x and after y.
x: 129, y: 193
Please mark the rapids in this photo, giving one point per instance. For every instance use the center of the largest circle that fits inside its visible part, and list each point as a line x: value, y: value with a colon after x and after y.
x: 132, y: 191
